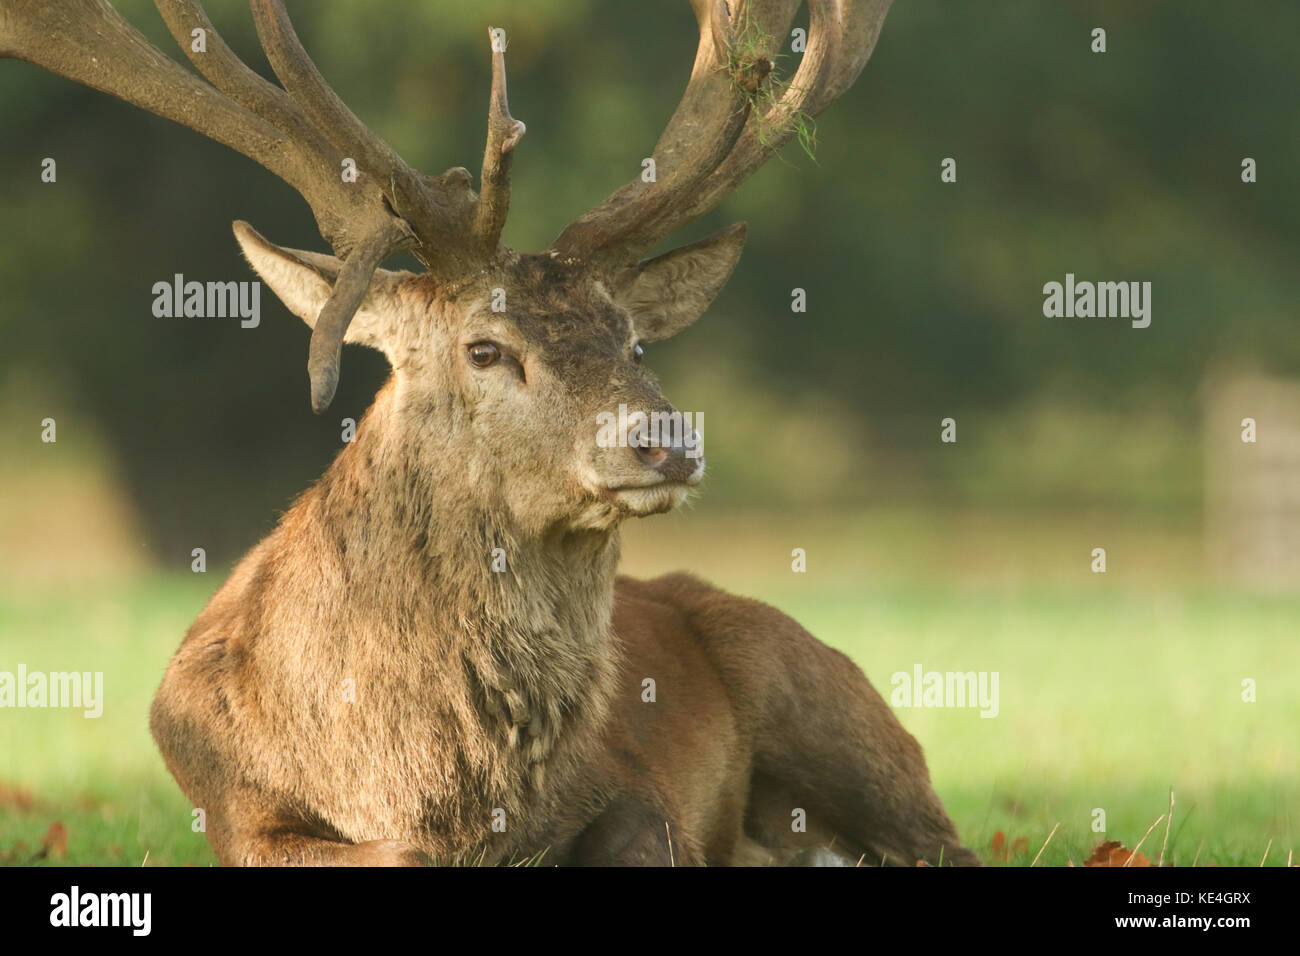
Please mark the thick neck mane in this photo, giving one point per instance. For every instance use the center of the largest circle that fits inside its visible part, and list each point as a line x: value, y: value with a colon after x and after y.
x: 397, y: 562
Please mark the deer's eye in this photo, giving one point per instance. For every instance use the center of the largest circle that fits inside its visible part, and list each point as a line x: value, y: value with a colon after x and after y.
x: 637, y: 353
x: 483, y: 354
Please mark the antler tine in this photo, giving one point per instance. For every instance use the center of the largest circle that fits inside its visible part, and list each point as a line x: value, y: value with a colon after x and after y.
x: 841, y: 37
x: 223, y: 68
x: 504, y: 134
x: 701, y: 132
x: 325, y: 353
x: 89, y: 42
x: 317, y: 100
x: 384, y: 234
x: 364, y: 244
x: 300, y: 134
x: 860, y: 21
x: 436, y: 214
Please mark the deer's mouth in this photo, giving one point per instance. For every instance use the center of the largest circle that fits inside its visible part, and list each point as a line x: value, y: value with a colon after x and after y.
x: 657, y: 498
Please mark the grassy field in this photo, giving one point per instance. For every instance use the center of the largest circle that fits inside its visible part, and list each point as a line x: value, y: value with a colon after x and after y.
x: 1112, y: 693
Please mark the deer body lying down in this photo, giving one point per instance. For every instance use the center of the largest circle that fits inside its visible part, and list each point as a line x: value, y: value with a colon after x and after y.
x: 372, y: 685
x: 367, y: 688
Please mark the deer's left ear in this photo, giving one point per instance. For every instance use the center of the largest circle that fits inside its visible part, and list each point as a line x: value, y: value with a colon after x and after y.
x: 666, y: 294
x: 303, y: 281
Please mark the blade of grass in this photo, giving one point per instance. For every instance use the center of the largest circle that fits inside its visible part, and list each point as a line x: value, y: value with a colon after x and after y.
x: 1134, y: 851
x: 1168, y: 820
x: 1045, y: 842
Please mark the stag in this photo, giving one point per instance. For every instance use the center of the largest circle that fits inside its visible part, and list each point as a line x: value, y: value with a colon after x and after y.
x: 432, y: 657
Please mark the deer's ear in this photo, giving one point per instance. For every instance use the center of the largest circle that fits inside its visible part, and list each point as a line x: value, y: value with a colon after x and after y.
x: 666, y: 294
x: 303, y: 281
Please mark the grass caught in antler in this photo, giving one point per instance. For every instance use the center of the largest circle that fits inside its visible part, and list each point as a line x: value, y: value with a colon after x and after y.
x: 754, y: 71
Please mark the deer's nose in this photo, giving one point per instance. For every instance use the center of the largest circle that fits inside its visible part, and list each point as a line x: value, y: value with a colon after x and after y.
x: 674, y: 461
x: 652, y: 457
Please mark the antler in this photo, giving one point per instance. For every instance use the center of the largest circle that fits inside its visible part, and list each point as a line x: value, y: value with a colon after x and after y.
x: 504, y: 134
x: 301, y: 133
x: 729, y: 122
x: 725, y: 128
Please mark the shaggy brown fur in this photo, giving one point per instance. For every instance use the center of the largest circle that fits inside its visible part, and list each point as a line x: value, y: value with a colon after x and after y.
x: 369, y: 688
x: 431, y: 657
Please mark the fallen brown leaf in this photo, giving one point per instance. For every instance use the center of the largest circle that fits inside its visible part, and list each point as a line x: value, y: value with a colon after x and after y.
x: 1000, y: 851
x: 1114, y: 853
x: 54, y: 845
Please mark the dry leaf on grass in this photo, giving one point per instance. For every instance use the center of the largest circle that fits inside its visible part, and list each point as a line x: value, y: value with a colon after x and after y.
x: 54, y: 845
x: 1001, y: 851
x: 1114, y: 853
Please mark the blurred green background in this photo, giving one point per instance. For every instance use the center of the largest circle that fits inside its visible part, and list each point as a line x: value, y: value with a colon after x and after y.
x: 924, y: 302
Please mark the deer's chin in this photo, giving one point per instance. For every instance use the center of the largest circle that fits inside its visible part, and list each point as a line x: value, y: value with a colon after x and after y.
x: 655, y: 499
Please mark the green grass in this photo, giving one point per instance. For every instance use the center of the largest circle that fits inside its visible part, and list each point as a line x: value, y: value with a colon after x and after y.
x: 102, y: 778
x: 1109, y: 698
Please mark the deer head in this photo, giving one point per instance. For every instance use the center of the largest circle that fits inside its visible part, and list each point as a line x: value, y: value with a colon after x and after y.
x: 514, y: 355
